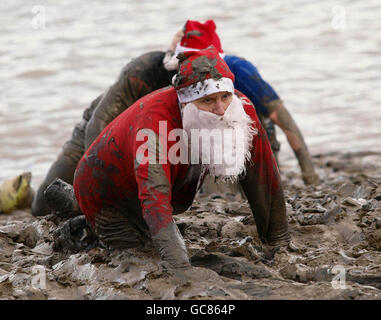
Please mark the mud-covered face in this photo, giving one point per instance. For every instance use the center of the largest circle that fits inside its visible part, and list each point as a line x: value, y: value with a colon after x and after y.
x: 216, y: 103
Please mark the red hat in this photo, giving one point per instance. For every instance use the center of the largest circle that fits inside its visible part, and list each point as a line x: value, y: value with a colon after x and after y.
x: 202, y: 73
x: 198, y: 36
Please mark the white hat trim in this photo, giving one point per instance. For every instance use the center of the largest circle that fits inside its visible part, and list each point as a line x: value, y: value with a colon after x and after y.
x: 180, y: 48
x: 204, y: 88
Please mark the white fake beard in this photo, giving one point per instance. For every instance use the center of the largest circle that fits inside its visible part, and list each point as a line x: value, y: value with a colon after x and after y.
x: 224, y: 156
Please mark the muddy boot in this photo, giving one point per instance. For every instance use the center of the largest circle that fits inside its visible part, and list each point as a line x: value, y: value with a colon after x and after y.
x: 60, y: 198
x: 74, y: 235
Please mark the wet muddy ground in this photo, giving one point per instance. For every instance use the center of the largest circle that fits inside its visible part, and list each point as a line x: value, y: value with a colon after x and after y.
x: 322, y: 58
x: 335, y: 251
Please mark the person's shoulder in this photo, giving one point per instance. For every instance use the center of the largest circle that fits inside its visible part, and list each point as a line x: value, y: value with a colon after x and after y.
x: 144, y: 62
x: 151, y: 55
x: 240, y: 65
x: 162, y: 104
x: 164, y: 95
x: 237, y: 60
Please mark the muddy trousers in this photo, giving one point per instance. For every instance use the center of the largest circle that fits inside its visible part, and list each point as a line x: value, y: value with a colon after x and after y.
x: 120, y: 227
x: 112, y: 226
x: 66, y: 162
x: 116, y: 231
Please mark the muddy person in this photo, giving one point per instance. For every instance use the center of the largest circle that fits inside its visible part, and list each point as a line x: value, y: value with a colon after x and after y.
x: 270, y: 108
x: 154, y: 70
x: 149, y: 162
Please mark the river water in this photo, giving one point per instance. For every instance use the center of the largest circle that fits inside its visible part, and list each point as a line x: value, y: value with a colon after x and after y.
x: 323, y: 58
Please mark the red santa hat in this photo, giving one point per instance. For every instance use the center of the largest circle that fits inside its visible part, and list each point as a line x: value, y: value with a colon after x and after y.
x: 198, y: 36
x: 202, y: 73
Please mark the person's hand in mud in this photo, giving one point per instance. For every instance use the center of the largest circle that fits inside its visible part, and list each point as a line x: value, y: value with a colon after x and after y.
x: 310, y: 178
x: 281, y: 117
x: 171, y: 247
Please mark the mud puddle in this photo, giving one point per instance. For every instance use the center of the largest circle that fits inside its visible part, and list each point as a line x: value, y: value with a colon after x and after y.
x: 335, y: 251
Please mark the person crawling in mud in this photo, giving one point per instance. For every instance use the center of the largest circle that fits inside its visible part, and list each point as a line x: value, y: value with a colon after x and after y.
x: 154, y: 70
x: 270, y: 108
x: 150, y: 161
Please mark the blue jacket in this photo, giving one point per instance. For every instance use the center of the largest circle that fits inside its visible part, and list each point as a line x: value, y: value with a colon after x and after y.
x: 250, y: 83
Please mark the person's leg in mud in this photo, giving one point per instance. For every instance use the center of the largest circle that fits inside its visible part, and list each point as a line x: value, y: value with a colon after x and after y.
x: 66, y: 162
x: 60, y: 198
x: 75, y: 234
x: 115, y: 230
x: 111, y: 228
x: 63, y: 168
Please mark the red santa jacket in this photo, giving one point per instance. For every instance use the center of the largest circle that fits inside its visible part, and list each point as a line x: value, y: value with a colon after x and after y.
x: 109, y: 175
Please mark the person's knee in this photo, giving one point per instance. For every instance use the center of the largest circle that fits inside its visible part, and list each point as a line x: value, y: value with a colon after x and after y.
x: 116, y: 231
x: 60, y: 198
x: 39, y: 206
x: 62, y: 168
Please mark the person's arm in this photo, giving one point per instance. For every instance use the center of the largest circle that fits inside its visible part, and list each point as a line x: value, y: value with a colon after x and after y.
x: 263, y: 188
x: 267, y: 102
x: 155, y: 192
x: 281, y: 117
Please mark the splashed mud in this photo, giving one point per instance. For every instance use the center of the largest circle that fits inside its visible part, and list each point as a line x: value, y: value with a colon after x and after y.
x: 336, y: 231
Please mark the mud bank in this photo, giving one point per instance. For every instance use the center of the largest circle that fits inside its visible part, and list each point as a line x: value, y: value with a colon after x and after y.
x: 336, y: 231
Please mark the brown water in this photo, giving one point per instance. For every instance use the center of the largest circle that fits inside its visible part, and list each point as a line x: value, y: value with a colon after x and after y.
x: 323, y: 59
